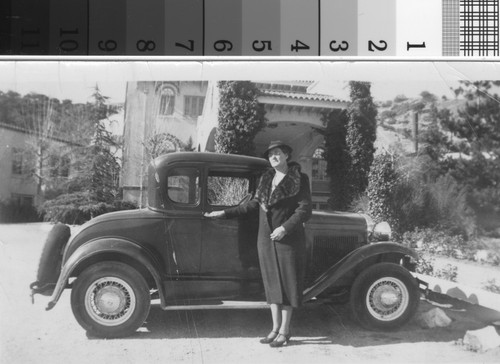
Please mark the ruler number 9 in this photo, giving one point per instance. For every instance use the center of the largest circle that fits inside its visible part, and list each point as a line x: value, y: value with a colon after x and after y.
x: 223, y: 45
x: 107, y: 46
x: 343, y: 46
x: 381, y: 47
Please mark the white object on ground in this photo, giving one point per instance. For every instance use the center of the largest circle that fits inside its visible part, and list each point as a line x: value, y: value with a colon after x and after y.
x: 481, y: 340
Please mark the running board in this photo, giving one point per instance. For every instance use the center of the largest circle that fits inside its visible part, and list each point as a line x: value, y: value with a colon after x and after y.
x: 236, y: 305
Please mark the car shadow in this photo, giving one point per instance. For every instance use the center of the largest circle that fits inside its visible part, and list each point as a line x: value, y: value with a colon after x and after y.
x: 316, y: 325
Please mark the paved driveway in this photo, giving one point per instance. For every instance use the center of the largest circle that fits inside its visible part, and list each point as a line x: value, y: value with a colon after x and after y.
x: 322, y: 334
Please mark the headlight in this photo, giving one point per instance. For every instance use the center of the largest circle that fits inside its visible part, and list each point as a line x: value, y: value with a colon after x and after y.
x: 382, y: 232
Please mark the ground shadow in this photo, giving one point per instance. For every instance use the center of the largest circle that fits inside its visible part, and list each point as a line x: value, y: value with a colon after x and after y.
x: 314, y: 325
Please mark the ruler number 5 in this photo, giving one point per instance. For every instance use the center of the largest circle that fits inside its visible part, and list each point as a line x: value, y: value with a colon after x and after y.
x: 381, y: 47
x: 343, y: 46
x: 261, y: 45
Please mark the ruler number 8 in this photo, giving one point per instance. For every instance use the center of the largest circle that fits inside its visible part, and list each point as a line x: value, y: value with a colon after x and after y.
x: 343, y: 46
x: 145, y: 45
x: 381, y: 47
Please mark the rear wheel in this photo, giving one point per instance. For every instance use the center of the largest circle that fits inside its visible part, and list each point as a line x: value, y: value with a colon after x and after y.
x: 384, y: 296
x: 110, y: 299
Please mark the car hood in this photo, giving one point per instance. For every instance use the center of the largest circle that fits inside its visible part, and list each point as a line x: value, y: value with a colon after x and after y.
x: 320, y: 219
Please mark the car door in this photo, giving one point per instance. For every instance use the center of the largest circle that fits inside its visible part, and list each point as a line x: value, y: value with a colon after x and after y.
x: 183, y: 231
x: 229, y: 260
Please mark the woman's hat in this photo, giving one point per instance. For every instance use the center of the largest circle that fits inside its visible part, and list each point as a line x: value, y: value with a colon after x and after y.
x: 285, y: 148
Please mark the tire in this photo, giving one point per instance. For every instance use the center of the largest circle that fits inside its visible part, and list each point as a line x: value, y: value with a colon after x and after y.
x: 110, y: 299
x: 49, y: 265
x: 384, y: 296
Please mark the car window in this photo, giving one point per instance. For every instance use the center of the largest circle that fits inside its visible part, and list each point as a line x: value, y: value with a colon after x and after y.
x: 184, y: 185
x: 226, y: 190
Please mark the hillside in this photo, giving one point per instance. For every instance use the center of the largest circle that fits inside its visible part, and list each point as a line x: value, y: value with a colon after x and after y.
x: 395, y: 120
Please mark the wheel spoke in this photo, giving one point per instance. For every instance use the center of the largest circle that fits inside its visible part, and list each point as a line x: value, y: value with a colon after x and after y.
x: 387, y: 299
x: 110, y: 301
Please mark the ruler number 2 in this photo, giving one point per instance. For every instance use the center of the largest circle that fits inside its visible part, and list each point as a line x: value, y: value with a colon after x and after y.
x: 381, y: 47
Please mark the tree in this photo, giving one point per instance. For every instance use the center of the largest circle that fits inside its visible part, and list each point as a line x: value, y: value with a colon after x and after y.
x: 475, y: 128
x: 349, y: 146
x: 428, y: 97
x: 100, y: 170
x: 241, y: 117
x: 92, y: 188
x: 361, y: 135
x: 337, y: 157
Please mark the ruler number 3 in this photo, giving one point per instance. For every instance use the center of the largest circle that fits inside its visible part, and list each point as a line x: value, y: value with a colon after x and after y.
x: 343, y: 46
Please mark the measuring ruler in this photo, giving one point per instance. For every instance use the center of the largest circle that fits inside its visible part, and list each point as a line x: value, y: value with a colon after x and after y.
x: 330, y: 28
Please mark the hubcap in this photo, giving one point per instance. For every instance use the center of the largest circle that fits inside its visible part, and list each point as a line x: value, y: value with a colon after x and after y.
x: 387, y: 299
x: 110, y: 301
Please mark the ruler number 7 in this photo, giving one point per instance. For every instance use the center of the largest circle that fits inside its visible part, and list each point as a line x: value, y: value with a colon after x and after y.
x: 189, y: 47
x: 381, y: 47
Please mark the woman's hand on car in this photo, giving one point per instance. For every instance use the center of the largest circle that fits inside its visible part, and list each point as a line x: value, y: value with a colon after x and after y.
x: 215, y: 214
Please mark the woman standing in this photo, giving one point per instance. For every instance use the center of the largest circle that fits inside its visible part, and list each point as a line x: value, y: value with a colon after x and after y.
x: 283, y: 199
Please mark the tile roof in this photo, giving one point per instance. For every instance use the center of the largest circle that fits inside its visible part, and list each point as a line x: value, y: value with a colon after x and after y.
x: 300, y: 96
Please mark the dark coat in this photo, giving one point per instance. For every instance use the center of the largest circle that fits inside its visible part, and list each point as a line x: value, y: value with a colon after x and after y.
x: 282, y: 262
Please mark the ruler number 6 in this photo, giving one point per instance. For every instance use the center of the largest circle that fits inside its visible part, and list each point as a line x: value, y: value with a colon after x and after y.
x: 381, y: 47
x: 223, y: 45
x: 343, y: 46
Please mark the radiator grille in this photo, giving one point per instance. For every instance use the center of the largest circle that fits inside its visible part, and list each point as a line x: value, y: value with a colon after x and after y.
x: 328, y: 250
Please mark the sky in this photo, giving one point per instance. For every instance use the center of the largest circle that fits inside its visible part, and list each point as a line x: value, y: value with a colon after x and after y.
x: 75, y: 80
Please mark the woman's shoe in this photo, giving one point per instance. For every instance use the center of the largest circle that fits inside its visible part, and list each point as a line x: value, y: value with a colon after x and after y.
x: 269, y: 338
x: 280, y: 340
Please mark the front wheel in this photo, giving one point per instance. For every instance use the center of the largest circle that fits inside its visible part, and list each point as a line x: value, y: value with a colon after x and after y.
x: 384, y: 296
x: 110, y: 299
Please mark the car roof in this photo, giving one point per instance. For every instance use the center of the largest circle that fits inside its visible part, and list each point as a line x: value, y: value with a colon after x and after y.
x: 210, y: 158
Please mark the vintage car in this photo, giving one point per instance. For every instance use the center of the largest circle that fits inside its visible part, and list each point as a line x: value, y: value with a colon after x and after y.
x: 117, y: 263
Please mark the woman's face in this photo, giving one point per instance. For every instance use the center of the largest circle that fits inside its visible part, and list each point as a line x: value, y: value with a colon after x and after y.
x: 277, y: 158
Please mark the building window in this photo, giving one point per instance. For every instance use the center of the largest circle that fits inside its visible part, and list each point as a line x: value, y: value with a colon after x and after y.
x: 18, y: 161
x: 167, y: 101
x: 319, y: 166
x: 193, y: 105
x: 59, y: 166
x: 22, y: 201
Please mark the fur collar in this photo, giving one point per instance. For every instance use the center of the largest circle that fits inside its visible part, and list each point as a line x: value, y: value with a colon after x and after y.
x: 288, y: 187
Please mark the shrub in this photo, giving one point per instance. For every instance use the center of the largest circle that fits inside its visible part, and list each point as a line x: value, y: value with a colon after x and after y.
x: 408, y: 193
x: 76, y: 208
x: 492, y: 286
x: 434, y: 242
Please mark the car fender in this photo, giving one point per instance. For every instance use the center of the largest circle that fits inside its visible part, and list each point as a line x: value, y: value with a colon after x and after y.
x: 96, y: 247
x: 387, y: 251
